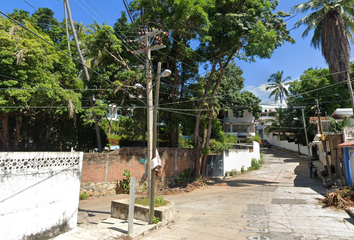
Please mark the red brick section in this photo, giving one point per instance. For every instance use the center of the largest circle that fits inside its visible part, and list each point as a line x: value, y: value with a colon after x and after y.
x: 94, y: 164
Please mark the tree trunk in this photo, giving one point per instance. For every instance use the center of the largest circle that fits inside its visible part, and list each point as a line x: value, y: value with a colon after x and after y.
x: 4, y: 135
x: 172, y: 138
x: 207, y: 140
x: 18, y: 131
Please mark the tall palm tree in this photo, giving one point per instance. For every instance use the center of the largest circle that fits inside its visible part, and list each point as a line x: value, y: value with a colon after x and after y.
x: 277, y: 83
x: 333, y: 24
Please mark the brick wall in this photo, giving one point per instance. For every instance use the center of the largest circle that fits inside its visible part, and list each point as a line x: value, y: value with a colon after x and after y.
x: 108, y: 167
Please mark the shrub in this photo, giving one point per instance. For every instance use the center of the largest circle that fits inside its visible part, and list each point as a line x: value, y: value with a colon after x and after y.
x: 185, y: 176
x: 256, y: 138
x: 84, y: 196
x: 114, y: 139
x: 255, y: 164
x: 243, y: 169
x: 125, y: 183
x: 232, y: 172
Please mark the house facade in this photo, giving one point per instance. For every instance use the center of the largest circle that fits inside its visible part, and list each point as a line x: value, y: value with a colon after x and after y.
x: 242, y: 126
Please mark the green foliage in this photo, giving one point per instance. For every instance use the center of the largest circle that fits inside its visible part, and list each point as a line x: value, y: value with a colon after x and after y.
x: 156, y: 220
x: 185, y: 142
x: 278, y: 83
x: 216, y: 146
x: 255, y: 164
x: 243, y: 169
x: 256, y: 138
x: 160, y: 201
x: 84, y: 196
x: 145, y: 201
x: 184, y: 177
x: 338, y: 127
x: 262, y: 159
x: 125, y: 183
x: 114, y: 139
x: 233, y: 172
x: 231, y: 138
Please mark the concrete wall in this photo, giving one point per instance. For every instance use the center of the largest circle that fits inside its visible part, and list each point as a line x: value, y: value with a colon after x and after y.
x: 275, y: 141
x: 106, y: 168
x: 39, y: 193
x: 236, y: 158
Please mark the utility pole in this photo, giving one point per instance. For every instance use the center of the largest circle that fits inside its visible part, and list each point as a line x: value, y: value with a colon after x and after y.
x: 99, y: 145
x: 152, y: 195
x: 324, y: 144
x: 66, y: 27
x: 145, y: 40
x: 307, y: 141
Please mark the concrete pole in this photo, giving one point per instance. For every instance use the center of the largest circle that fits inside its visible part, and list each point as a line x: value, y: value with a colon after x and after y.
x: 66, y: 28
x: 152, y: 195
x: 350, y: 90
x: 307, y: 140
x: 324, y: 144
x: 149, y: 117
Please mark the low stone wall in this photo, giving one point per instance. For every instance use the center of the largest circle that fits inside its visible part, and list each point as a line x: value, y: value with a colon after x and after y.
x: 99, y: 189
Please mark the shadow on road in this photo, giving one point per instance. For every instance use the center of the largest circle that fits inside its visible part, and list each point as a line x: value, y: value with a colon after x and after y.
x: 245, y: 182
x: 301, y: 171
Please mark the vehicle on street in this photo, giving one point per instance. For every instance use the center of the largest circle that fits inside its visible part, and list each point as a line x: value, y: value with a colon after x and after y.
x: 265, y: 143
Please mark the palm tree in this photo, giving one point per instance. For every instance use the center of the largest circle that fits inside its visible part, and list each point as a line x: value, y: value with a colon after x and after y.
x: 333, y: 24
x: 277, y: 83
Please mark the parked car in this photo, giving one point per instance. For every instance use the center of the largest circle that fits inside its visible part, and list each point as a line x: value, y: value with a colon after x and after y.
x: 265, y: 143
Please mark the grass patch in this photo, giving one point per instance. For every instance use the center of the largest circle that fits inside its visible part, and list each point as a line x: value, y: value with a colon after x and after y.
x: 159, y: 202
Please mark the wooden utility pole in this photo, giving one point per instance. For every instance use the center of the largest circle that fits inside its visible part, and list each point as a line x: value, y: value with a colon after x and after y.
x: 91, y: 98
x: 324, y: 144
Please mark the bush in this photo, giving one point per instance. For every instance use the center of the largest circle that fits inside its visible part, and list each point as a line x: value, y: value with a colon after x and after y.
x: 125, y: 183
x: 256, y: 138
x: 84, y: 196
x: 243, y: 169
x: 114, y: 139
x: 232, y: 172
x: 185, y: 142
x: 185, y: 176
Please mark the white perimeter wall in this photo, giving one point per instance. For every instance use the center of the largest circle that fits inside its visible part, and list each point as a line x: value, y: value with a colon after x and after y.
x: 236, y: 158
x: 39, y: 193
x: 274, y: 140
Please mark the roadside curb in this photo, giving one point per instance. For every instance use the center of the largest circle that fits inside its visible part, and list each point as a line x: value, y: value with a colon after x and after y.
x: 147, y: 231
x: 350, y: 211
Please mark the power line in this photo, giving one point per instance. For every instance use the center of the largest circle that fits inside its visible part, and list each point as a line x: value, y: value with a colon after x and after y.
x: 59, y: 49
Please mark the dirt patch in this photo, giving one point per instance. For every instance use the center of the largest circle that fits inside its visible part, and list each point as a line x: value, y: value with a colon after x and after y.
x: 165, y: 189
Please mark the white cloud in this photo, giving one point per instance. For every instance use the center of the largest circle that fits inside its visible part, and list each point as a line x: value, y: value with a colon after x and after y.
x: 263, y: 94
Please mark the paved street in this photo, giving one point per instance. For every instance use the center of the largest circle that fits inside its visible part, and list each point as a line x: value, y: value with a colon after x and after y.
x: 276, y: 202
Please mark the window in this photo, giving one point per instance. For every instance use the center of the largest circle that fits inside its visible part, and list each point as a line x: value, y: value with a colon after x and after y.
x: 227, y: 128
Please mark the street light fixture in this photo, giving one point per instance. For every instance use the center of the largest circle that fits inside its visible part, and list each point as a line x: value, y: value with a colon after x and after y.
x: 159, y: 75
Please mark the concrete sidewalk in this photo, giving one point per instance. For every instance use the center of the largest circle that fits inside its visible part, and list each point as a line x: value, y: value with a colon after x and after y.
x: 111, y: 228
x: 95, y: 222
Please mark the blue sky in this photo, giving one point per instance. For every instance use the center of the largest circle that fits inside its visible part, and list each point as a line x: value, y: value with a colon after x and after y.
x: 293, y: 59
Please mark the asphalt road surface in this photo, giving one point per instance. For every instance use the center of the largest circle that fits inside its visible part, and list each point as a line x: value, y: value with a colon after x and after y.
x: 279, y: 201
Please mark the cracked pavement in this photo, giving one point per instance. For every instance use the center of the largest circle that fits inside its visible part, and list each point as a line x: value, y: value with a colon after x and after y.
x: 279, y: 201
